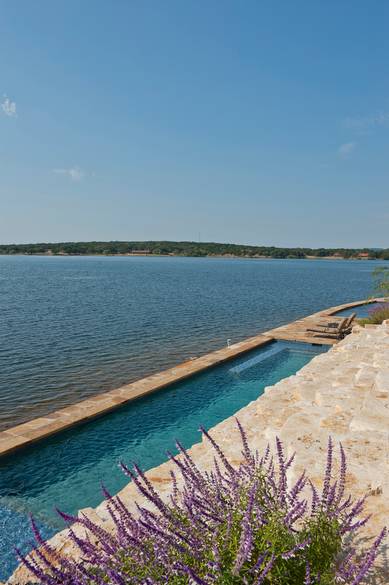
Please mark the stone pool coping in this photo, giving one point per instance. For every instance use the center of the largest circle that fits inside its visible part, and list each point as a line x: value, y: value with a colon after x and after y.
x: 22, y: 435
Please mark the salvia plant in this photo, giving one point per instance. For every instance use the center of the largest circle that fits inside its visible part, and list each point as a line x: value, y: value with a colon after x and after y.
x: 378, y: 313
x: 233, y: 525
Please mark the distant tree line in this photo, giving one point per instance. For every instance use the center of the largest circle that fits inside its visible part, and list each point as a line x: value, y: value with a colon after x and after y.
x: 188, y: 249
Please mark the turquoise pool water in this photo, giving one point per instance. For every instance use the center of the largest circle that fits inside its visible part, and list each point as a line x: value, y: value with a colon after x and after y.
x: 66, y: 470
x: 361, y: 311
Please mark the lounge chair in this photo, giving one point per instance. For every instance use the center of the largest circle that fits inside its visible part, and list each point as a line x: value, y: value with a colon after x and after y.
x: 335, y: 324
x: 337, y: 330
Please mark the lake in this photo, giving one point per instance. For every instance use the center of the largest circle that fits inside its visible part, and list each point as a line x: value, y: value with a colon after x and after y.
x: 71, y: 327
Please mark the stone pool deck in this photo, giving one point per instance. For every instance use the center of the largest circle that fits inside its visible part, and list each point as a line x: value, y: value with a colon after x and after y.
x: 343, y: 393
x: 29, y: 432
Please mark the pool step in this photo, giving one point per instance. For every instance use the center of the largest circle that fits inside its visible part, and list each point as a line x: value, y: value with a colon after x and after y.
x: 264, y: 355
x: 255, y: 360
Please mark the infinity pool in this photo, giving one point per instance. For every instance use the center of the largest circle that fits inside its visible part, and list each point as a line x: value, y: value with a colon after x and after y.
x: 361, y: 311
x: 67, y: 470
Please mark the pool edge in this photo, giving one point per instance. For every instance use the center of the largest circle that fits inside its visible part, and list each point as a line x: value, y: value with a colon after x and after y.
x: 25, y: 434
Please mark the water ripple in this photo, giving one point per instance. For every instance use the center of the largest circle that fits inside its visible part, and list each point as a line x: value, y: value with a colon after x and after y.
x: 74, y: 327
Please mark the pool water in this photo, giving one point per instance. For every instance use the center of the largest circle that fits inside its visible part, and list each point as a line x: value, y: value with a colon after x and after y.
x: 67, y: 470
x: 361, y: 311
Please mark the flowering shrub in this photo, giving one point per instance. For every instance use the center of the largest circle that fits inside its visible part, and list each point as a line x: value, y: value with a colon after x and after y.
x: 242, y: 525
x: 377, y: 314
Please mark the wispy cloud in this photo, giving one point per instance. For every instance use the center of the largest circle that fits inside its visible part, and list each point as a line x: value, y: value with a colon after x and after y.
x: 73, y: 173
x: 364, y: 123
x: 346, y: 150
x: 9, y: 107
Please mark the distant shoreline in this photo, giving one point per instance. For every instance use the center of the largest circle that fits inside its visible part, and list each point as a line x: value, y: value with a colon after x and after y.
x: 154, y: 248
x: 219, y: 256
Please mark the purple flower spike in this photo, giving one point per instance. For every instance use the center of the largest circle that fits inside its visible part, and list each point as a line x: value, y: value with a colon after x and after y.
x: 234, y: 523
x: 307, y: 580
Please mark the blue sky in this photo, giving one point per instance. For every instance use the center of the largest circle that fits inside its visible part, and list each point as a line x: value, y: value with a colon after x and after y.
x: 262, y: 122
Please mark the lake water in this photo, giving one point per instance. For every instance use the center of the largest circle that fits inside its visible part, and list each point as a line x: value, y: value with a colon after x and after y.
x: 76, y: 326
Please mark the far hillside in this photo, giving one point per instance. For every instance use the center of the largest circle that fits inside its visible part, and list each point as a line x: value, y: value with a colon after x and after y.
x: 166, y: 248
